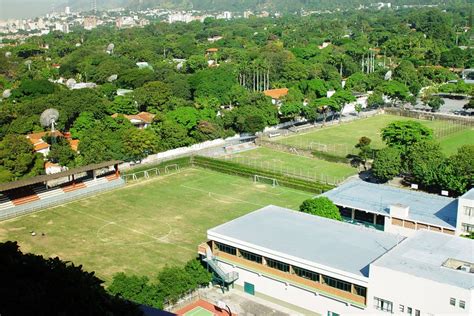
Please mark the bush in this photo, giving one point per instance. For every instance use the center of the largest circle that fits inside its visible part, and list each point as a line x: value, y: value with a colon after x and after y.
x: 321, y: 206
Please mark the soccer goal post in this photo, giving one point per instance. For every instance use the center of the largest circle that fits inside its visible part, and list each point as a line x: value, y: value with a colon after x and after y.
x: 266, y: 180
x: 173, y: 167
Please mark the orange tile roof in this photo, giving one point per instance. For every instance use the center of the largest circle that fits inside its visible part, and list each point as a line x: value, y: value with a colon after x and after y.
x: 34, y: 137
x: 212, y: 50
x: 49, y: 164
x: 142, y: 116
x: 74, y: 143
x: 276, y: 93
x: 41, y: 145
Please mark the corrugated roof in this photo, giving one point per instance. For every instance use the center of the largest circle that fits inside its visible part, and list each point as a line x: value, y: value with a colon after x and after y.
x: 377, y: 198
x: 44, y: 178
x: 315, y: 239
x: 424, y: 254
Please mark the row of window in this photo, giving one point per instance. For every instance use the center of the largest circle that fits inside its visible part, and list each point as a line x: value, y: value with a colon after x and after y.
x: 469, y: 211
x: 462, y: 304
x: 303, y: 273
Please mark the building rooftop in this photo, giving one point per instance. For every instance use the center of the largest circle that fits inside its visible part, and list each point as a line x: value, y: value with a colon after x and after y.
x: 425, y: 256
x: 276, y: 93
x: 469, y: 194
x: 312, y: 239
x: 377, y: 198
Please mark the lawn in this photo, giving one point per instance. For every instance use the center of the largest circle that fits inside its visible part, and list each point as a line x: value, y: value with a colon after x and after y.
x: 270, y: 159
x: 145, y: 225
x: 341, y: 138
x: 452, y: 142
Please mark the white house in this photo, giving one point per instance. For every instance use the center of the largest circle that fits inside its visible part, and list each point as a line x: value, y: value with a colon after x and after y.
x: 465, y: 216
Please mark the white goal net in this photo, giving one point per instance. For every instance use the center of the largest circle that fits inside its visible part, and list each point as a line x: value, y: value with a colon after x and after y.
x: 265, y: 180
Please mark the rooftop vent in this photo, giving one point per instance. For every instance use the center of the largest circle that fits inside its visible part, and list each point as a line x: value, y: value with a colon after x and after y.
x: 459, y: 265
x: 399, y: 210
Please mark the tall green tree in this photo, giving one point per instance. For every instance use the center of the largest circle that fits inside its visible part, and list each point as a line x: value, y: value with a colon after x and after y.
x: 424, y: 160
x: 321, y: 206
x: 387, y: 164
x: 403, y: 134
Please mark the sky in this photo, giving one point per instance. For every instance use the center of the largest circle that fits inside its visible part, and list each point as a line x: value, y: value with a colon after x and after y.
x: 14, y: 9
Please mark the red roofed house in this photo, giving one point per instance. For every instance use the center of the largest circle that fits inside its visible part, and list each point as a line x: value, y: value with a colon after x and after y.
x: 141, y: 120
x: 276, y: 94
x: 39, y: 144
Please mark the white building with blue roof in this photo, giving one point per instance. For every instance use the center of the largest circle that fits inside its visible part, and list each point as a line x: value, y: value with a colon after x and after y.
x: 326, y: 267
x: 402, y: 211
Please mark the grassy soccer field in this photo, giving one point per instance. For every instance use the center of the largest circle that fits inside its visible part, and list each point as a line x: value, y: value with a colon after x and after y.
x: 451, y: 143
x: 270, y: 159
x: 347, y: 135
x: 144, y: 226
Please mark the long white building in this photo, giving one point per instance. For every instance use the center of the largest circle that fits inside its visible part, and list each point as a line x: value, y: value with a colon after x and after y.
x: 333, y: 268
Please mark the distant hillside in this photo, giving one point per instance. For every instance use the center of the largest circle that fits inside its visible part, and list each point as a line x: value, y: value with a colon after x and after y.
x: 242, y: 5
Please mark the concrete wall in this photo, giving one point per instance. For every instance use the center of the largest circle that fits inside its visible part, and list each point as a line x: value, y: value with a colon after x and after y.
x: 289, y: 293
x: 462, y: 217
x: 427, y: 296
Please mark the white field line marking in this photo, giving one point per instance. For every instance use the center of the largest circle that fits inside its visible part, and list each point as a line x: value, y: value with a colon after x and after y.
x: 223, y: 195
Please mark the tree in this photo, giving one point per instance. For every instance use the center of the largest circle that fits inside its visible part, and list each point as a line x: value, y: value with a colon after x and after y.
x: 375, y: 100
x: 341, y: 98
x: 31, y: 285
x: 358, y: 108
x: 153, y: 96
x: 396, y: 91
x: 62, y: 153
x: 434, y: 102
x: 123, y: 105
x: 424, y: 160
x: 323, y: 105
x: 321, y: 206
x: 17, y: 155
x: 365, y: 152
x: 387, y: 164
x: 291, y: 110
x: 403, y: 134
x: 469, y: 105
x: 139, y: 143
x: 136, y: 289
x: 457, y: 172
x: 195, y: 63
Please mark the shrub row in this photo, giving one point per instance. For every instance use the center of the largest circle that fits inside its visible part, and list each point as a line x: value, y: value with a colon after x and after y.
x: 248, y: 172
x: 329, y: 157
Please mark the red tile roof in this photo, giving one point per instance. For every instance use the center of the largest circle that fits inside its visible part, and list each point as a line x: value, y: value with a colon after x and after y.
x: 276, y: 93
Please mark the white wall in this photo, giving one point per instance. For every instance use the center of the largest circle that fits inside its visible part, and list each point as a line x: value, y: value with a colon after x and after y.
x: 394, y: 229
x: 291, y: 294
x: 427, y: 296
x: 462, y: 218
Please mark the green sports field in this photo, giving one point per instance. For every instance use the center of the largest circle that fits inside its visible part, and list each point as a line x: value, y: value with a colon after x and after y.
x: 346, y: 135
x: 144, y: 226
x: 270, y: 159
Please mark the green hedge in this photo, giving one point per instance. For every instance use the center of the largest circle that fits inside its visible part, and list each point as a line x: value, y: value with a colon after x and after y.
x: 248, y: 172
x: 329, y: 157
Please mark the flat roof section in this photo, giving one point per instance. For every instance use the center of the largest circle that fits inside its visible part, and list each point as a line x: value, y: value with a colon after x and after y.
x: 377, y: 198
x: 319, y: 240
x: 469, y: 194
x: 424, y: 255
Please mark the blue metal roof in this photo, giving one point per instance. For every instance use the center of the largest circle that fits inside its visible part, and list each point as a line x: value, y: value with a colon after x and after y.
x: 377, y: 198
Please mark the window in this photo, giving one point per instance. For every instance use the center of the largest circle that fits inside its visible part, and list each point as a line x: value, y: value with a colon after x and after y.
x: 467, y: 228
x: 227, y: 249
x: 332, y: 314
x: 409, y: 310
x: 278, y: 265
x: 462, y: 304
x: 303, y: 273
x: 401, y: 308
x: 469, y: 211
x: 360, y: 290
x: 338, y: 284
x: 417, y: 312
x: 383, y: 305
x: 452, y: 301
x: 251, y: 256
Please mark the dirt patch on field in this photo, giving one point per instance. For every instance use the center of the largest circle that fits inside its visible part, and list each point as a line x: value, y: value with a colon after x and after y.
x: 50, y: 222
